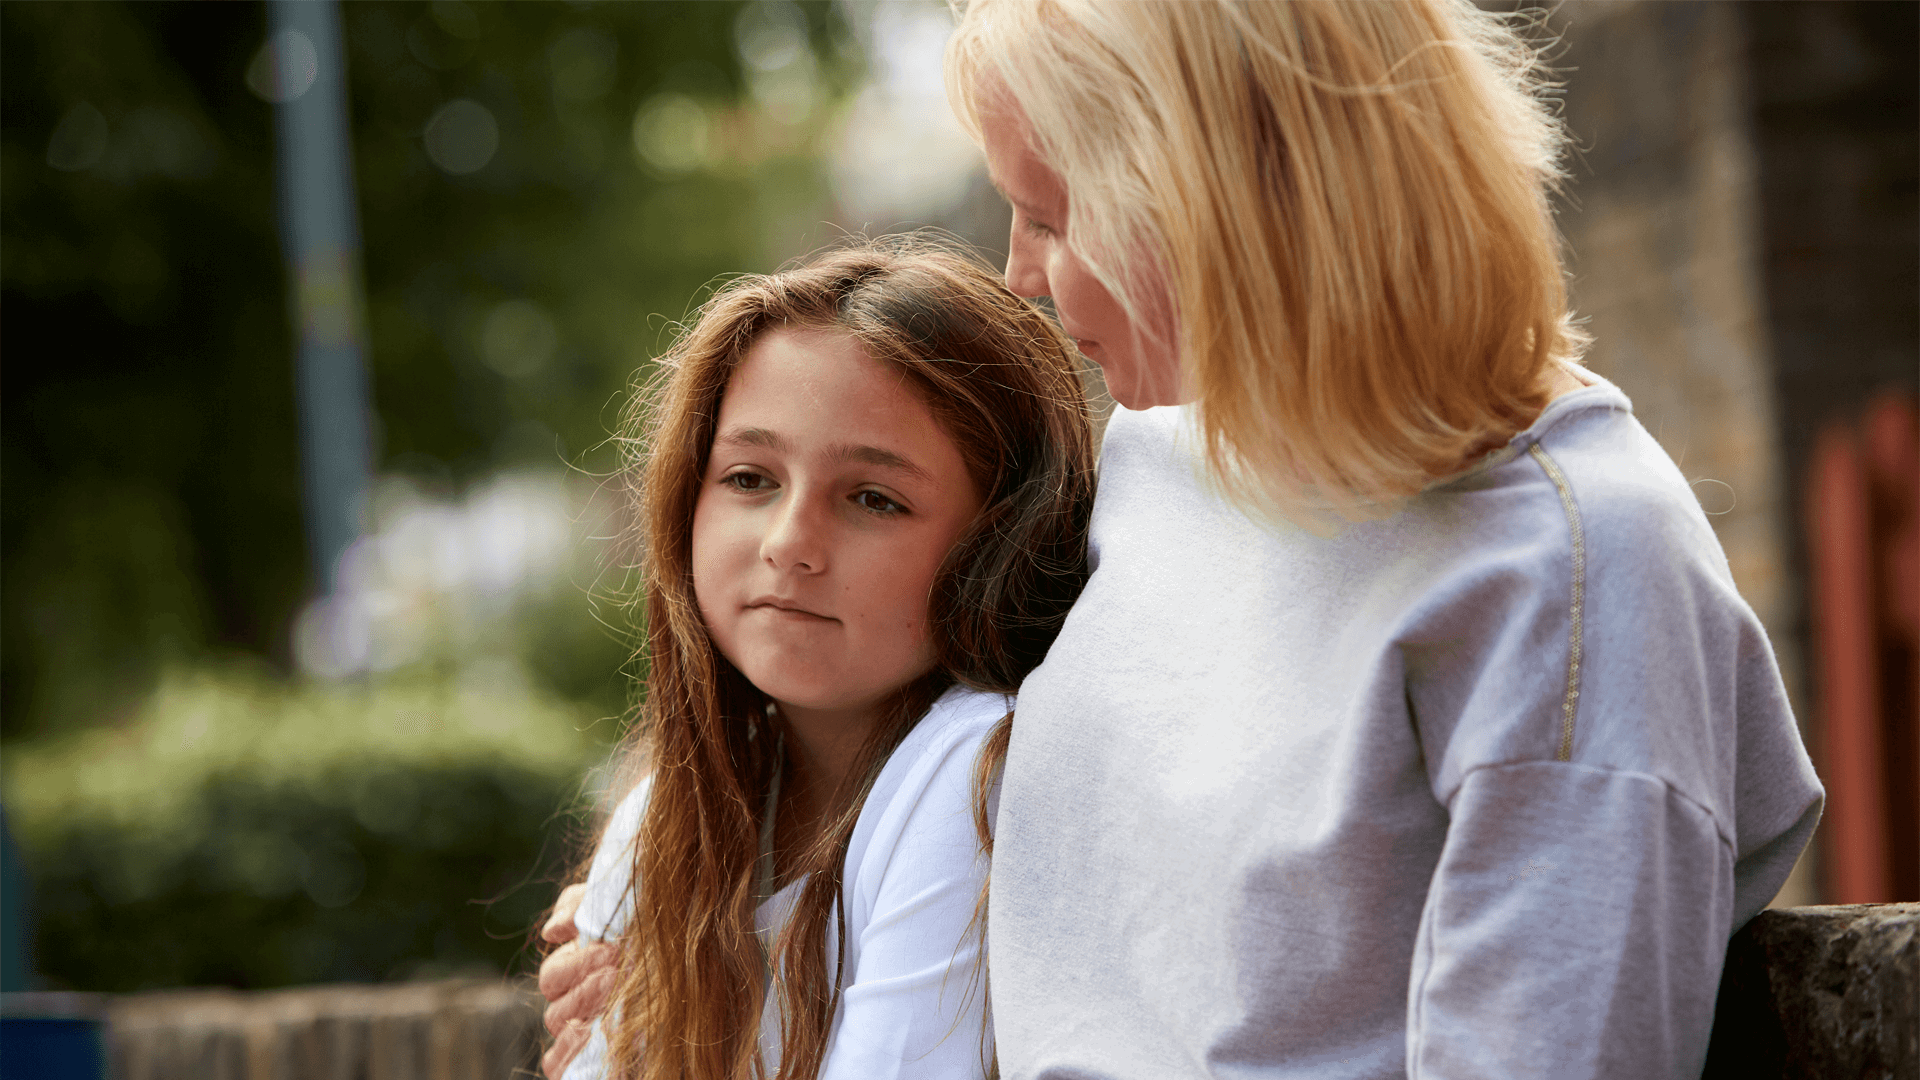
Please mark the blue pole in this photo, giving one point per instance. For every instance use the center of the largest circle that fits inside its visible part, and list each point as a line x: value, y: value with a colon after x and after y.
x: 321, y: 236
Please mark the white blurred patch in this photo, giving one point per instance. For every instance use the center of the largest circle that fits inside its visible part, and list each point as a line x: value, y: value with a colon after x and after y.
x: 434, y: 577
x: 901, y: 154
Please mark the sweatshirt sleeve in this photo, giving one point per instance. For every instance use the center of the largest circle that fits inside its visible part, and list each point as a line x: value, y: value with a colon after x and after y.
x: 1624, y: 784
x: 1575, y: 927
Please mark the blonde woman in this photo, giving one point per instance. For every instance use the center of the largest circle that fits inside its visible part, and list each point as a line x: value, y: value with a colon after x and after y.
x: 1410, y: 723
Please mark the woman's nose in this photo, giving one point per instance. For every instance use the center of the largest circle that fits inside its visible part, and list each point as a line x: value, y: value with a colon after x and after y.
x: 794, y: 540
x: 1026, y: 272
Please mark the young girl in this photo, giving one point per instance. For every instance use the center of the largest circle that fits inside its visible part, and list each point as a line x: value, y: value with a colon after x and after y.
x: 1477, y: 785
x: 862, y: 492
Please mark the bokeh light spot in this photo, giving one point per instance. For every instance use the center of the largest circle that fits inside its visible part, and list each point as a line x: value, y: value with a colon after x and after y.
x: 456, y: 18
x: 462, y: 137
x: 517, y: 338
x: 79, y: 141
x: 671, y: 132
x: 284, y: 68
x: 431, y: 43
x: 583, y: 63
x: 770, y: 35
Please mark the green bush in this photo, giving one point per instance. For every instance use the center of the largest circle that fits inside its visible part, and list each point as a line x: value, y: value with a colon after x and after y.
x: 247, y: 833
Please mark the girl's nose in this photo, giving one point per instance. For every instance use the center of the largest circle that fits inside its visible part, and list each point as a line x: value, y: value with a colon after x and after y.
x: 794, y: 540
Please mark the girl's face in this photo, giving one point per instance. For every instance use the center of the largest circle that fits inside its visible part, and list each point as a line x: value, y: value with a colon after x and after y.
x: 1142, y: 370
x: 830, y: 499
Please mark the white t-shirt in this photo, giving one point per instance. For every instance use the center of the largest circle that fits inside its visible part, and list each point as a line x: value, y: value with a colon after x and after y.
x: 914, y: 1004
x: 1479, y: 790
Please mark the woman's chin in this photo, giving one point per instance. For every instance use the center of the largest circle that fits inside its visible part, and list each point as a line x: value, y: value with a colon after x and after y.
x: 1134, y: 398
x: 1131, y: 392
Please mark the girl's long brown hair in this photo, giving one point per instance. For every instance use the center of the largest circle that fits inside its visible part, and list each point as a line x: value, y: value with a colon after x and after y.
x: 1003, y: 382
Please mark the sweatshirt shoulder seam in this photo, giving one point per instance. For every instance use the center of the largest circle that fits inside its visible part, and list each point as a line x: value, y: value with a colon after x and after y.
x: 1576, y: 606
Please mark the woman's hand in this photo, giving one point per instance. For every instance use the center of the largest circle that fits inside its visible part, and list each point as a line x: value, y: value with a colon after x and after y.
x: 576, y: 979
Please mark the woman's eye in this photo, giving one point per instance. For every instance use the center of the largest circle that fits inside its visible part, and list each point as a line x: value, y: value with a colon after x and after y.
x: 747, y: 482
x: 878, y: 503
x: 1035, y: 228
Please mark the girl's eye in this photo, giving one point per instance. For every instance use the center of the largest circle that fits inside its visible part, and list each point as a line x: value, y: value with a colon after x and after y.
x: 1037, y: 229
x: 877, y: 503
x: 747, y: 482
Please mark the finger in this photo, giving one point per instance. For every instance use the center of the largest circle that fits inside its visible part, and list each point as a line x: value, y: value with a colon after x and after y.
x: 559, y: 928
x: 562, y: 969
x: 585, y: 1001
x: 566, y: 1045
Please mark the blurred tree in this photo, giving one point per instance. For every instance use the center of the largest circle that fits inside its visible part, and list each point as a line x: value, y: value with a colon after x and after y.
x: 538, y: 185
x: 151, y: 503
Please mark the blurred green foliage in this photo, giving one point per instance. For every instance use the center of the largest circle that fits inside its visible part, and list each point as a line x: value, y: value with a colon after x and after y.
x: 150, y: 460
x: 543, y: 189
x: 152, y: 499
x: 242, y: 832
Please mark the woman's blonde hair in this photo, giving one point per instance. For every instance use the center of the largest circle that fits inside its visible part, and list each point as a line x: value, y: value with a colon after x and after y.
x: 1003, y: 382
x: 1346, y: 201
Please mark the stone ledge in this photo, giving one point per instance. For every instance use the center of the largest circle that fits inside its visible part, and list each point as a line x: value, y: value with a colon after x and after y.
x: 462, y: 1029
x: 1817, y: 992
x: 1809, y: 992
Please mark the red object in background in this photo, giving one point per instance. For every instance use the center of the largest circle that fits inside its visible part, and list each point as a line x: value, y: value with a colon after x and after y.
x: 1864, y: 539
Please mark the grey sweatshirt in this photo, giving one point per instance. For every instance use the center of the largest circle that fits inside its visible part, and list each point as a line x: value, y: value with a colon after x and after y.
x: 1480, y: 790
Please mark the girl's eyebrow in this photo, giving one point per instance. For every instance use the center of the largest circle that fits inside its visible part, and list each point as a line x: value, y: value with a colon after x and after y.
x: 838, y: 453
x: 752, y: 436
x: 873, y: 455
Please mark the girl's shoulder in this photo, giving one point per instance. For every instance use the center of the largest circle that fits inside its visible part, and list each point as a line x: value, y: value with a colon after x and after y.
x: 926, y: 784
x: 961, y: 717
x: 923, y: 798
x: 936, y: 759
x: 604, y: 909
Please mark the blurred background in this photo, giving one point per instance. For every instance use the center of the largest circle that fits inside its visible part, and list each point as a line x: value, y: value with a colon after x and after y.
x: 318, y: 321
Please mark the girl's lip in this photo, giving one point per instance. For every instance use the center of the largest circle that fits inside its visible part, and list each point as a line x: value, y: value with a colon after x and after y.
x: 786, y: 607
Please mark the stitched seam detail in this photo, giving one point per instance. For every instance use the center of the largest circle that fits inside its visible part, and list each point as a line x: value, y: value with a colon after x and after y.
x: 1577, y: 608
x: 1721, y: 828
